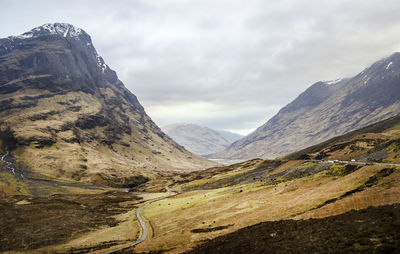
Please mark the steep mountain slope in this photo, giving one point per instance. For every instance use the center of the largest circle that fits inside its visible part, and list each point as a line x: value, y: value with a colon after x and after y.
x: 325, y: 110
x: 197, y: 139
x: 65, y: 115
x: 379, y: 142
x: 232, y: 137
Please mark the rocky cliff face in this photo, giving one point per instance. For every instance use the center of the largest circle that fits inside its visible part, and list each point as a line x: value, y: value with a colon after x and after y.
x: 325, y: 110
x: 67, y: 116
x: 198, y: 139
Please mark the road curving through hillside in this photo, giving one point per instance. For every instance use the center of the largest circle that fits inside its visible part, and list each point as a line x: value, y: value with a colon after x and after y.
x: 142, y: 222
x: 145, y: 231
x: 366, y: 163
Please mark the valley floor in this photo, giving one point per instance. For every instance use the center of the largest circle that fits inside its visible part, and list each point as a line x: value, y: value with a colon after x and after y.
x: 357, y: 203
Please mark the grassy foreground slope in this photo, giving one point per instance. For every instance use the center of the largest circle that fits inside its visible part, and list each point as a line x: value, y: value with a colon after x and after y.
x: 296, y: 201
x: 373, y: 230
x: 289, y: 191
x: 222, y: 200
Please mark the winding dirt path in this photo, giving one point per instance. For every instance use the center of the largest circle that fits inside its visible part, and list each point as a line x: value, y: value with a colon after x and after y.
x: 145, y: 229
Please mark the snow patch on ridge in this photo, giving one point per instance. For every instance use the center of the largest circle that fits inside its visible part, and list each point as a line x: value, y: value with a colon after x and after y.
x: 66, y: 32
x: 389, y: 64
x: 25, y: 35
x: 101, y: 63
x: 366, y: 79
x: 332, y: 82
x: 62, y: 29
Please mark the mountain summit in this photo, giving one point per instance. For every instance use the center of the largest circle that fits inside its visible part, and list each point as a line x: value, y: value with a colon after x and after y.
x: 64, y: 29
x: 65, y: 114
x: 325, y: 110
x: 76, y: 38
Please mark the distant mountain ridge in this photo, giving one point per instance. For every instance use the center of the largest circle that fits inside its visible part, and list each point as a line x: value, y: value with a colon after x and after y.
x: 198, y: 139
x: 325, y: 110
x: 231, y: 136
x: 66, y: 115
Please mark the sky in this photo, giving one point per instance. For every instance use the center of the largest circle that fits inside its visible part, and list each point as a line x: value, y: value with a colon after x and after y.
x: 224, y: 64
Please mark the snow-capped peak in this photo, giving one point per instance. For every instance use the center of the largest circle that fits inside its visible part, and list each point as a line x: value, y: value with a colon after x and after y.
x: 332, y: 82
x: 63, y: 29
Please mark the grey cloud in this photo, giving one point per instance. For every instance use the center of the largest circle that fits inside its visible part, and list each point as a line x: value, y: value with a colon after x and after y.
x: 246, y: 59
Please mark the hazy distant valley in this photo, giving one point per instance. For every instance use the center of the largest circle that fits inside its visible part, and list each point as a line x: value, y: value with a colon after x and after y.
x: 84, y: 169
x: 199, y: 139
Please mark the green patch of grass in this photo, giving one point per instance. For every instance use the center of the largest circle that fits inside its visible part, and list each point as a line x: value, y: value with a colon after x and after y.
x: 357, y: 246
x: 309, y: 164
x: 281, y: 180
x: 392, y: 148
x: 338, y: 169
x: 10, y: 184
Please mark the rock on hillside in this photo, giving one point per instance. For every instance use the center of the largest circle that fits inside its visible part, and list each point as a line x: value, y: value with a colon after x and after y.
x: 65, y: 114
x: 325, y: 110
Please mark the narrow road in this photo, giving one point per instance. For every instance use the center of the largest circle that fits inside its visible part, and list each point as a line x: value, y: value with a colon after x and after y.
x: 145, y: 230
x: 355, y: 162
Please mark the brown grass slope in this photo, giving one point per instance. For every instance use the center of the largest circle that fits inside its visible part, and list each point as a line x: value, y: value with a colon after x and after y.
x: 29, y: 223
x: 219, y: 201
x: 372, y: 230
x: 286, y: 194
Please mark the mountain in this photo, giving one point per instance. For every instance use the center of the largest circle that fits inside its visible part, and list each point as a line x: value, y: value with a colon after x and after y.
x: 64, y: 114
x: 231, y: 136
x: 198, y: 139
x: 325, y: 110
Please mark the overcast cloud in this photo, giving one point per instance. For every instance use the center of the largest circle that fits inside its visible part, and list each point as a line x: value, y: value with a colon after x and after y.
x: 224, y: 64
